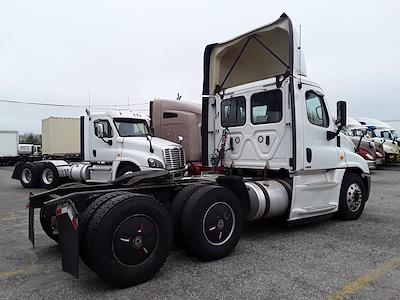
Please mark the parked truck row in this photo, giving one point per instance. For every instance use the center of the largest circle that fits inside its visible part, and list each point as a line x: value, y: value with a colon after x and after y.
x: 270, y: 144
x: 11, y: 151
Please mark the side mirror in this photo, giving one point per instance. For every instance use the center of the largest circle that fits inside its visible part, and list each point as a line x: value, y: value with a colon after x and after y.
x: 100, y: 130
x: 341, y: 120
x: 180, y: 139
x: 341, y: 112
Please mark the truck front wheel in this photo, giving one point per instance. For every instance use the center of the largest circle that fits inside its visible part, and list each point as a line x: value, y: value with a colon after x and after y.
x: 352, y: 197
x: 212, y: 222
x: 128, y: 239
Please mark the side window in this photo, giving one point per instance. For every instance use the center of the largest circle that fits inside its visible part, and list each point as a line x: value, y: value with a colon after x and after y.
x: 107, y: 128
x: 233, y: 111
x: 386, y: 135
x: 316, y: 110
x: 266, y: 107
x: 169, y: 115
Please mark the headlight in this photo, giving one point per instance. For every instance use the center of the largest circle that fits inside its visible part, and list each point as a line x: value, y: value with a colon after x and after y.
x: 154, y: 163
x: 379, y: 154
x: 369, y: 156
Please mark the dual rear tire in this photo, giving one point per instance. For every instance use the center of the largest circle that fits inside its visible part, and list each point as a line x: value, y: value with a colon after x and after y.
x: 40, y: 175
x: 210, y: 223
x: 29, y: 176
x: 126, y: 239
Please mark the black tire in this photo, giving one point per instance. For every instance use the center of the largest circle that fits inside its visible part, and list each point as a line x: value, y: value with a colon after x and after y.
x: 49, y: 178
x: 352, y: 197
x: 207, y: 206
x: 48, y: 227
x: 127, y: 169
x: 113, y: 247
x: 84, y: 220
x: 176, y: 208
x: 29, y: 176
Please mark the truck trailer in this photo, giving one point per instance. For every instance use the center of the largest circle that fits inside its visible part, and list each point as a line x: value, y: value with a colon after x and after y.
x: 8, y: 147
x: 263, y: 123
x: 98, y: 148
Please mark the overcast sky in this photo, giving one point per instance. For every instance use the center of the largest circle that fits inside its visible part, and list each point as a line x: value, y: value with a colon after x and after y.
x: 54, y: 51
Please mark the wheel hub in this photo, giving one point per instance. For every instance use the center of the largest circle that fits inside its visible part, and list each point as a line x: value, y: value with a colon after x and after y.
x: 26, y: 175
x: 218, y: 223
x: 47, y: 176
x: 135, y: 239
x: 138, y: 242
x: 354, y: 197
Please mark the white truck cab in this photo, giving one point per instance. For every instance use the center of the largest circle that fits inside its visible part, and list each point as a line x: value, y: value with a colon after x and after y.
x: 124, y: 139
x: 263, y: 118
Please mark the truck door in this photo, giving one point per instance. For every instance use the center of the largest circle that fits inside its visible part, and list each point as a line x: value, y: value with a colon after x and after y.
x: 105, y: 148
x: 316, y: 188
x: 319, y: 152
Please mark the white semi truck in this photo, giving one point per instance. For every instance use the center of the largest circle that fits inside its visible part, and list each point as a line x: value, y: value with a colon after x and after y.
x: 264, y: 126
x: 111, y: 144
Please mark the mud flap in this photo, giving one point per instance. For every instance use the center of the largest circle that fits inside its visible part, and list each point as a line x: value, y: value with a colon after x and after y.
x: 67, y: 225
x: 31, y: 232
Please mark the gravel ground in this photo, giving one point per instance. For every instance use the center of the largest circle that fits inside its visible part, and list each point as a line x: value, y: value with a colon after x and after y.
x: 329, y: 259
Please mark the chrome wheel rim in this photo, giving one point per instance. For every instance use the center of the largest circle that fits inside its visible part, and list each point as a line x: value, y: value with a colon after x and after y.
x: 47, y: 176
x: 219, y: 223
x: 354, y: 197
x: 26, y: 175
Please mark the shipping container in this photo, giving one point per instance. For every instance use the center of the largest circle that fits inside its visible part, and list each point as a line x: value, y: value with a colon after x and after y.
x: 8, y: 143
x: 60, y: 136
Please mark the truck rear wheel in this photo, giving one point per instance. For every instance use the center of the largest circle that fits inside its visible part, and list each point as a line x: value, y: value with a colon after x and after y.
x: 49, y: 178
x: 352, y: 197
x: 128, y: 239
x: 85, y: 217
x: 30, y: 175
x: 48, y: 224
x: 176, y: 208
x: 212, y: 222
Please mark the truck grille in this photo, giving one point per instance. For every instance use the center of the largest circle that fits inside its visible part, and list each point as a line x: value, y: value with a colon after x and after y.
x: 174, y: 158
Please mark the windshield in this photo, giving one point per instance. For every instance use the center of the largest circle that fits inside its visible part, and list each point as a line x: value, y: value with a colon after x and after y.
x: 131, y: 127
x: 395, y: 134
x: 359, y: 132
x: 386, y: 134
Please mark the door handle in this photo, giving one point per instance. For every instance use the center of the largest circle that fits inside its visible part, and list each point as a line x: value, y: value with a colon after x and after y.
x: 308, y: 155
x: 94, y: 152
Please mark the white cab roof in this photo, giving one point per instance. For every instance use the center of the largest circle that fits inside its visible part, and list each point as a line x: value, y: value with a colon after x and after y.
x: 123, y: 114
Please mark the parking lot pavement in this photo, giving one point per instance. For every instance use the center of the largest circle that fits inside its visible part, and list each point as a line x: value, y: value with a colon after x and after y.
x: 331, y: 259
